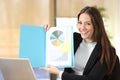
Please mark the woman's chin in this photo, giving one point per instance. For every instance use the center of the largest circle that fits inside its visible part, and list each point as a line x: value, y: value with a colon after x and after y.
x: 84, y: 37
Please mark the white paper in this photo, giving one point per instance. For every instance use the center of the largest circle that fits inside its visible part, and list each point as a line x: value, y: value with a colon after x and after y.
x: 59, y: 46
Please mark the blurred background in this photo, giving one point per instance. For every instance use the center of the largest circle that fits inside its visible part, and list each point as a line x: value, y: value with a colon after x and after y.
x: 13, y: 13
x: 53, y: 12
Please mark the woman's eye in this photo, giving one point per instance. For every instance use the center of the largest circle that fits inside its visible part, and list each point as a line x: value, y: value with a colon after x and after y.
x: 88, y: 23
x: 79, y: 23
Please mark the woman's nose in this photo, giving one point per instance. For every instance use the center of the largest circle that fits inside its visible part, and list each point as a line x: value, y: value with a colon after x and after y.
x: 82, y: 27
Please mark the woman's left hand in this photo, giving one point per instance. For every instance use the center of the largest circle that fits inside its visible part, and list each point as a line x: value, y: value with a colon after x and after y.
x: 52, y: 69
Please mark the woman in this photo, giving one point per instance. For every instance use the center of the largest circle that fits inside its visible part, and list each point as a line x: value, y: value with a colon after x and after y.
x: 95, y: 57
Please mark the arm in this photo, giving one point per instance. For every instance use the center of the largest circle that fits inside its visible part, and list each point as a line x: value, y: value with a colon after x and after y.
x: 52, y: 69
x: 97, y: 73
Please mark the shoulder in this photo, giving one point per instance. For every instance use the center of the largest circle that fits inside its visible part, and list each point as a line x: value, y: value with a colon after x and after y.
x: 77, y: 40
x: 77, y: 36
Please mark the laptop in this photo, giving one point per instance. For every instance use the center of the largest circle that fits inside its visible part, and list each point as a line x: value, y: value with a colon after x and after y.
x: 16, y: 69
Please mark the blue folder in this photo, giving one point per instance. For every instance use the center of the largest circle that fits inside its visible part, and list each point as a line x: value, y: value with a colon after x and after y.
x: 33, y: 45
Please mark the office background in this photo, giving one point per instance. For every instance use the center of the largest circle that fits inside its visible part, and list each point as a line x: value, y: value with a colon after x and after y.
x: 54, y: 12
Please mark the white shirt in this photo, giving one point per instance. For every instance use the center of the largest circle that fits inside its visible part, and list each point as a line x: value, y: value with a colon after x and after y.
x: 81, y: 57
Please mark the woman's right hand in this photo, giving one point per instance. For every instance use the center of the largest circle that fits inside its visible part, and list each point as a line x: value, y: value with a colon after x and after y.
x: 46, y: 27
x: 52, y: 69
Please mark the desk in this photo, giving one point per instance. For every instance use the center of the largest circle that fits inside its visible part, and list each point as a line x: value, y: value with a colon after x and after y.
x: 1, y: 76
x: 40, y: 74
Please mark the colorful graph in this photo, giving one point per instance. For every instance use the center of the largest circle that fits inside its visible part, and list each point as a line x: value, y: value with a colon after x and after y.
x: 57, y: 38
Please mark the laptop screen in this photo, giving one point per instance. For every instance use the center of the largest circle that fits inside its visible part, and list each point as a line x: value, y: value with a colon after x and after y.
x: 16, y: 69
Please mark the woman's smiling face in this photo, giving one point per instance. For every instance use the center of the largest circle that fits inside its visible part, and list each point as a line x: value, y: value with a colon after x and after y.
x: 85, y: 27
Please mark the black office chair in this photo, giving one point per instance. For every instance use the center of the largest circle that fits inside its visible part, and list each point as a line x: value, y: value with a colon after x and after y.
x: 116, y: 71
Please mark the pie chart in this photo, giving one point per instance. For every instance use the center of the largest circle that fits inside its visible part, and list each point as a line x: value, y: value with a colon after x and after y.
x: 57, y: 38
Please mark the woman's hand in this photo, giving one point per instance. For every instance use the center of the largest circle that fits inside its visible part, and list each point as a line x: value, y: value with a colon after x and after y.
x: 52, y: 69
x: 46, y: 27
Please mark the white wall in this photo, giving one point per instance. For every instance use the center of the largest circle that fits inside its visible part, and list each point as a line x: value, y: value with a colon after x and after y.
x: 117, y: 28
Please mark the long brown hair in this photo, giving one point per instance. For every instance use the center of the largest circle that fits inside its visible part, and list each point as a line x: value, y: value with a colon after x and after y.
x: 100, y: 36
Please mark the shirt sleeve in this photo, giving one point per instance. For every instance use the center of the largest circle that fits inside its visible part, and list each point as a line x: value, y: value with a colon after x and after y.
x: 60, y: 74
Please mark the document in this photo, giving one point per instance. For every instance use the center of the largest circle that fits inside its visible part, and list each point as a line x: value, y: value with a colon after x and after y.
x: 54, y: 47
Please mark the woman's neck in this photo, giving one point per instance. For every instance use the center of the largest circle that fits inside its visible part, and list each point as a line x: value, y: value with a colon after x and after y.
x: 88, y: 40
